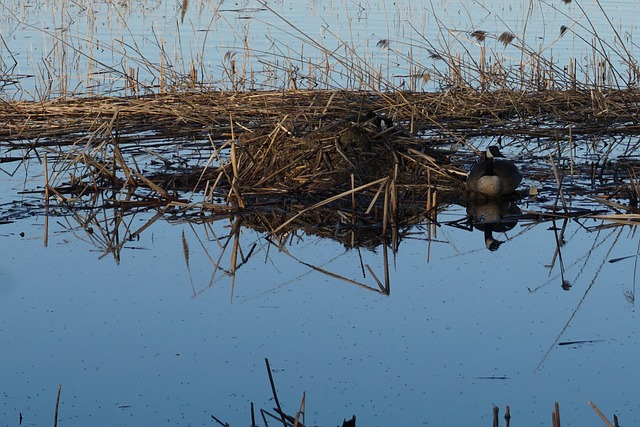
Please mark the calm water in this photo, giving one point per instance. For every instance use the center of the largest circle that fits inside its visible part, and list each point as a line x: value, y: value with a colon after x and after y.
x: 148, y: 340
x: 94, y: 47
x: 136, y: 343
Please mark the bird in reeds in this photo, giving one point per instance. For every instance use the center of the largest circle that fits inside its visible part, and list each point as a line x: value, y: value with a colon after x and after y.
x: 493, y: 177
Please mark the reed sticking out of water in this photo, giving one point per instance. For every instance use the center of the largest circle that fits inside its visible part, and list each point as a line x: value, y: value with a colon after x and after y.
x: 600, y: 414
x: 301, y: 412
x: 475, y: 60
x: 275, y: 393
x: 555, y: 415
x: 281, y: 416
x: 55, y: 418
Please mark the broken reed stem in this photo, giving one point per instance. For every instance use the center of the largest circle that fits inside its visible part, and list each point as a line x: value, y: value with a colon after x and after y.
x: 334, y: 275
x: 45, y: 166
x: 570, y: 137
x: 387, y: 275
x: 431, y: 214
x: 236, y: 178
x: 301, y: 411
x: 118, y: 159
x: 375, y: 198
x: 216, y: 419
x: 253, y: 416
x: 600, y: 414
x: 394, y: 197
x: 353, y: 194
x: 264, y: 418
x: 555, y: 416
x: 234, y: 160
x: 234, y: 256
x: 234, y: 166
x: 385, y: 210
x: 373, y: 274
x: 558, y: 183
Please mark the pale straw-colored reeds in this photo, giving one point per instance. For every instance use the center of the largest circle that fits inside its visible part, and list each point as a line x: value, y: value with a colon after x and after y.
x: 188, y: 145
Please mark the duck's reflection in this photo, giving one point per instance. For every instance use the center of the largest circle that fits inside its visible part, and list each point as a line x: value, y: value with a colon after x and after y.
x: 497, y: 216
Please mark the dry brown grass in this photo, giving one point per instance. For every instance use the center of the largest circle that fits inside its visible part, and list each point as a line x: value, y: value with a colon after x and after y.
x: 177, y: 114
x: 308, y: 149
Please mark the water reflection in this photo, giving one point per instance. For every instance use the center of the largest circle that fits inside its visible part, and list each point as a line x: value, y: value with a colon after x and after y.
x: 299, y: 271
x: 497, y: 216
x: 223, y: 238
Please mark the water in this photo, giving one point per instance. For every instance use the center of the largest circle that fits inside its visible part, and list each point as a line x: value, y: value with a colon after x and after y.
x: 144, y: 47
x: 135, y: 343
x: 145, y: 338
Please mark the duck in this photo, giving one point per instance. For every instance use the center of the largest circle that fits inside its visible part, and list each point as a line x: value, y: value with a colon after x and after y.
x: 491, y: 177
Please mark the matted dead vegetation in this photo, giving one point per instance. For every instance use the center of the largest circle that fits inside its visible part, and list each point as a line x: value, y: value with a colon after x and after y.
x: 296, y: 142
x: 369, y: 148
x: 368, y: 158
x: 605, y: 112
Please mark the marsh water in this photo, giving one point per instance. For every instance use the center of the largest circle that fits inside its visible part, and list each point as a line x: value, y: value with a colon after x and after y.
x: 138, y: 333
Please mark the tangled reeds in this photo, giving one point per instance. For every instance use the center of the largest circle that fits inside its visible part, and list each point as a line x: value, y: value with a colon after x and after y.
x: 464, y: 113
x: 360, y: 151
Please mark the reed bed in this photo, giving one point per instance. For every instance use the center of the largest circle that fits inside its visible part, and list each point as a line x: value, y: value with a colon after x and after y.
x: 366, y: 152
x: 332, y: 145
x: 362, y: 141
x: 464, y: 113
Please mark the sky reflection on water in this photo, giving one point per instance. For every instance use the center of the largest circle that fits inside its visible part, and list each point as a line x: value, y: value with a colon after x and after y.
x: 99, y: 47
x: 131, y: 345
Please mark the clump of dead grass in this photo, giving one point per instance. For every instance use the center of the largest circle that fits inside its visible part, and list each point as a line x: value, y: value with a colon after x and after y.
x: 247, y: 149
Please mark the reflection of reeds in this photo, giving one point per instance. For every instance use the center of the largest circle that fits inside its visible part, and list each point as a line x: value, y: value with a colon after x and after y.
x: 587, y: 257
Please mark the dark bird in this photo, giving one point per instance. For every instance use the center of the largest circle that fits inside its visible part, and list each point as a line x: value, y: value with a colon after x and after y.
x: 492, y: 177
x: 491, y: 216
